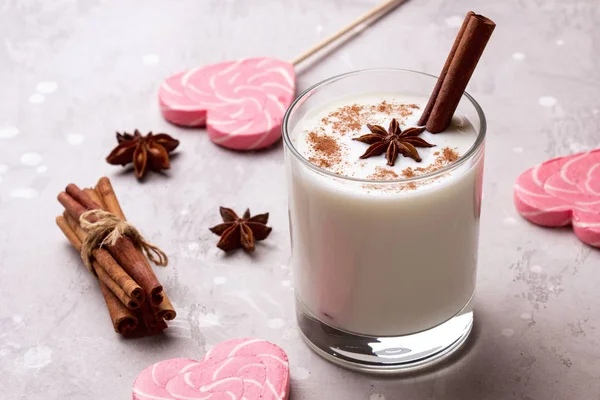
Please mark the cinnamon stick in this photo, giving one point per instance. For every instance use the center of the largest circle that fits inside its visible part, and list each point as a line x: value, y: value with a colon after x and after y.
x: 149, y: 316
x: 457, y: 71
x: 438, y: 84
x: 74, y: 225
x: 108, y: 199
x: 105, y: 265
x: 108, y: 196
x: 111, y: 266
x: 82, y: 198
x: 161, y: 326
x: 136, y: 265
x: 142, y: 330
x: 124, y: 321
x: 92, y: 194
x: 124, y: 251
x: 165, y: 310
x: 153, y: 323
x: 71, y: 205
x: 68, y: 232
x: 128, y: 301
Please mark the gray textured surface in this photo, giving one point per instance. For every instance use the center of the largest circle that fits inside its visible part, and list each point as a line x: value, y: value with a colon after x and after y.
x: 538, y: 302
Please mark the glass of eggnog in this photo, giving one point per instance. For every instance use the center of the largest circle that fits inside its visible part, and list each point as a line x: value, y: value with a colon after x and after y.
x: 384, y: 220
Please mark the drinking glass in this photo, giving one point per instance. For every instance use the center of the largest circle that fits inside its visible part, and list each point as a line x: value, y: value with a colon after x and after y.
x: 384, y: 274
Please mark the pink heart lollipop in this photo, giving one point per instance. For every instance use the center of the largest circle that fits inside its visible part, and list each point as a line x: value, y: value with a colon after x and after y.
x: 563, y: 191
x: 242, y: 102
x: 249, y: 369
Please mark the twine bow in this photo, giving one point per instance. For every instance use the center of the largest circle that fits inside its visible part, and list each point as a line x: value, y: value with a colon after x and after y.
x: 107, y: 229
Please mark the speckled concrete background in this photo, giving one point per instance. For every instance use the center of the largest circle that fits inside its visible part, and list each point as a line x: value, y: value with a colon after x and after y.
x: 72, y: 72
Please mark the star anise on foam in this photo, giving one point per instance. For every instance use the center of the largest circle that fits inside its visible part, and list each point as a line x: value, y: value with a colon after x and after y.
x: 145, y: 152
x: 242, y: 232
x: 393, y: 141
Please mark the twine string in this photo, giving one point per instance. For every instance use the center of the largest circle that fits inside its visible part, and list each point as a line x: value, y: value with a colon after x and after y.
x: 107, y: 230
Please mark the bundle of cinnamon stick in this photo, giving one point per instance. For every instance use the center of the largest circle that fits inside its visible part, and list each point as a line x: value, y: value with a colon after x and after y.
x: 136, y: 301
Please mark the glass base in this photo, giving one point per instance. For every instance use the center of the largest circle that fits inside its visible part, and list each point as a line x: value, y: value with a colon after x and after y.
x: 385, y: 355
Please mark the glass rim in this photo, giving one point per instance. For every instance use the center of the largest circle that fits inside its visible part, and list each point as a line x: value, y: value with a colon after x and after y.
x: 473, y: 150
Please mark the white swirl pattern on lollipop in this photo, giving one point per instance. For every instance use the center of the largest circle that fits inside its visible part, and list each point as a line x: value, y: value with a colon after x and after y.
x: 563, y: 191
x: 242, y: 102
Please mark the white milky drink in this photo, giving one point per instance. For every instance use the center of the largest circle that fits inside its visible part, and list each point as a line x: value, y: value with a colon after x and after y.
x: 382, y: 250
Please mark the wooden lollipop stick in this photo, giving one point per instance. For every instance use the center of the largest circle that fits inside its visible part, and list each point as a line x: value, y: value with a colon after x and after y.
x: 370, y: 17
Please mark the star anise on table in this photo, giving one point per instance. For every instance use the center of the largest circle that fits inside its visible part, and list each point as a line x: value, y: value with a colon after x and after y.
x: 241, y: 232
x: 393, y: 141
x: 145, y: 152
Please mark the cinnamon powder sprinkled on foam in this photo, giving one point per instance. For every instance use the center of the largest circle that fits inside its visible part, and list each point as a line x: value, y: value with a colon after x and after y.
x: 323, y: 144
x: 383, y: 174
x: 450, y: 155
x: 444, y: 158
x: 408, y: 173
x: 327, y: 151
x: 350, y: 119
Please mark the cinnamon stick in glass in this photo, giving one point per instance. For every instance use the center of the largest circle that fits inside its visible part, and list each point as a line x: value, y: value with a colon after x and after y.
x: 457, y: 71
x: 124, y: 321
x: 124, y: 251
x: 440, y: 81
x: 106, y: 265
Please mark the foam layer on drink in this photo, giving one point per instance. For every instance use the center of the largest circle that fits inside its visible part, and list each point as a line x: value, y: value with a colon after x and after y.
x: 325, y: 138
